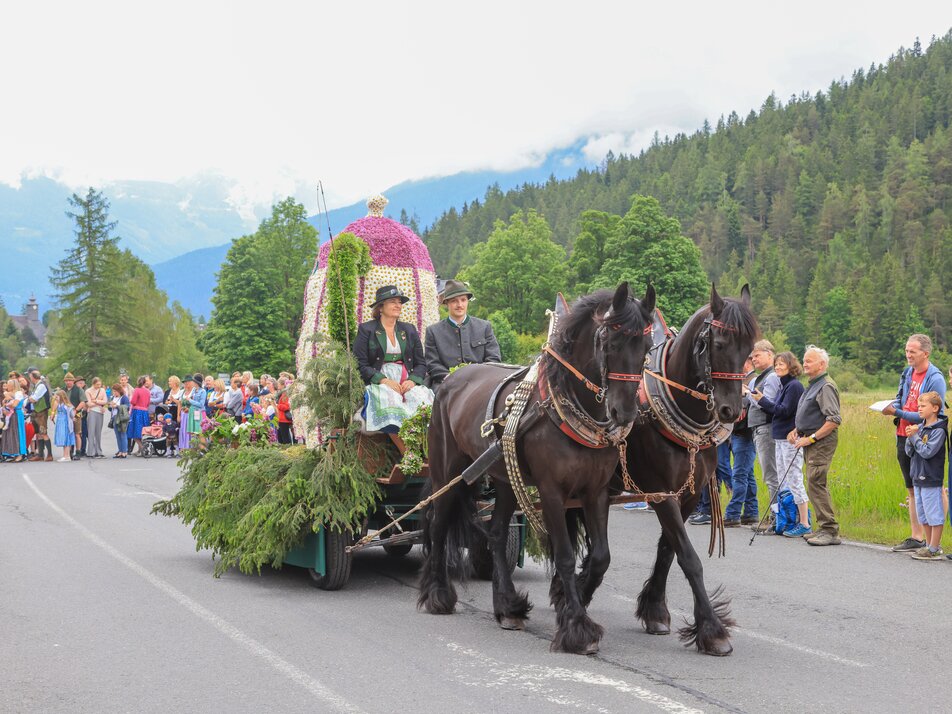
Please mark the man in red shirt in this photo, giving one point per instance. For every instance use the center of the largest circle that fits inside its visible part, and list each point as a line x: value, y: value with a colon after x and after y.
x: 919, y: 377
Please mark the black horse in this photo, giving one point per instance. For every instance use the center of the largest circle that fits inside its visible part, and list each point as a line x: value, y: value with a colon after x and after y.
x: 707, y: 358
x: 602, y: 341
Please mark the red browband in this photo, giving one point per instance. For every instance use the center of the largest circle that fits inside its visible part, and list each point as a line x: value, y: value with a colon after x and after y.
x: 728, y: 375
x: 622, y: 377
x: 723, y: 325
x: 646, y: 331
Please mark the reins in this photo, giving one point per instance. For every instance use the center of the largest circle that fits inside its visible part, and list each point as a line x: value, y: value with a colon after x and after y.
x: 676, y: 385
x: 703, y: 337
x: 599, y: 391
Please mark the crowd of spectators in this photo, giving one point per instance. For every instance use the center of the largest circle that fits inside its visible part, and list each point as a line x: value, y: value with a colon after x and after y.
x: 40, y: 422
x: 785, y: 425
x: 794, y: 430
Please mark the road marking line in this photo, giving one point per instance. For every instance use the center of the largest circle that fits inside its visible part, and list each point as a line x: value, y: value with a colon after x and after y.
x: 868, y: 546
x: 800, y: 648
x: 319, y: 690
x: 539, y: 678
x: 753, y: 634
x: 153, y: 493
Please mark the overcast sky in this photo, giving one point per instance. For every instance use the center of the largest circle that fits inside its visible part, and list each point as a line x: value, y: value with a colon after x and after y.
x: 364, y: 95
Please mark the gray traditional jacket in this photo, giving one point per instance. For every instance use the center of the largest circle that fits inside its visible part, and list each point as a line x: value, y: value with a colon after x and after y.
x: 447, y: 346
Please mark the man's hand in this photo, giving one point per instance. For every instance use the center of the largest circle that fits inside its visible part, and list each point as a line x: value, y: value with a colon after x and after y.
x: 889, y: 410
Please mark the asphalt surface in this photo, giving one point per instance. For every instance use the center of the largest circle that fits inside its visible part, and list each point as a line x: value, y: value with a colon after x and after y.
x: 104, y: 608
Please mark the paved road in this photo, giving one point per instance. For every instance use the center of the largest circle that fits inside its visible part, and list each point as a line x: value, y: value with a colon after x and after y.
x: 104, y: 608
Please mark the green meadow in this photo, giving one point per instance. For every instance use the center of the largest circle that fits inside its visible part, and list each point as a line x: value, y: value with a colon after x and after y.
x: 864, y: 479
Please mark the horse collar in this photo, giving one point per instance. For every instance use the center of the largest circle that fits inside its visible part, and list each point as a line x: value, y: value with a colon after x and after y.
x: 573, y: 421
x: 657, y: 400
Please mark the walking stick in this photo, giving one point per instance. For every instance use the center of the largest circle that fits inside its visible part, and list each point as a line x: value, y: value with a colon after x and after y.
x: 776, y: 494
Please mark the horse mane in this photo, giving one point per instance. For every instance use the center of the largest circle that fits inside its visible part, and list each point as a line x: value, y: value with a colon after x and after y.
x: 736, y: 314
x: 577, y: 321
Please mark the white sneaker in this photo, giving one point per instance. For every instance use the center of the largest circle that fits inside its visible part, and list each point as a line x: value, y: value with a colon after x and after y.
x: 65, y: 458
x: 636, y: 506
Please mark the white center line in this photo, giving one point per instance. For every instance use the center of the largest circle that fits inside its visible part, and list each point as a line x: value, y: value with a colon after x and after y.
x: 540, y: 680
x: 320, y: 691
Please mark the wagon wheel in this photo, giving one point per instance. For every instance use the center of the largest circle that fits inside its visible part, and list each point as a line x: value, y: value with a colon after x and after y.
x: 336, y: 561
x: 482, y: 559
x: 398, y: 550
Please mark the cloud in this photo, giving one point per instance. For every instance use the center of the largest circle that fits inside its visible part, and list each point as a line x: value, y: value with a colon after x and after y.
x: 364, y: 96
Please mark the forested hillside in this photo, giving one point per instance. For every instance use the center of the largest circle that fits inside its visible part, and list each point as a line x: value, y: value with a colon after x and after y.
x: 837, y: 208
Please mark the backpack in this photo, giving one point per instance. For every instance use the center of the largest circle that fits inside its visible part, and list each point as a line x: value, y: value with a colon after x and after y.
x: 787, y: 515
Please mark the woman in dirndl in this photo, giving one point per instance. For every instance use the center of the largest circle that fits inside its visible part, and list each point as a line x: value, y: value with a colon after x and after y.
x: 195, y: 403
x: 390, y: 358
x: 13, y: 442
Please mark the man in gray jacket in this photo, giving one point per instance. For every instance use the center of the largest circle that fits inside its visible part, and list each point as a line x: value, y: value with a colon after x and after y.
x: 459, y: 338
x: 758, y: 420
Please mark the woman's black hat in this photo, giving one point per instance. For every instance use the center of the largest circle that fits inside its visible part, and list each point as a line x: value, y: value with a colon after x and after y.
x: 386, y: 292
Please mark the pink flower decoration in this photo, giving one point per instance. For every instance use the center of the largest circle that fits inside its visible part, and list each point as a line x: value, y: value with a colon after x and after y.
x: 391, y: 244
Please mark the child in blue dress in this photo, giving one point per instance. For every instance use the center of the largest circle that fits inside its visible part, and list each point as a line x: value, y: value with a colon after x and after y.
x: 65, y: 436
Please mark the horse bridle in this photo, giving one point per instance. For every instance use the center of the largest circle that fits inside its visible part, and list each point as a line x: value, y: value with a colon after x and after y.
x: 601, y: 339
x: 705, y: 344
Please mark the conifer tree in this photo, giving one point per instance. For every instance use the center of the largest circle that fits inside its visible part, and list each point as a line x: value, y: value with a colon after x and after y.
x: 258, y: 299
x: 97, y: 321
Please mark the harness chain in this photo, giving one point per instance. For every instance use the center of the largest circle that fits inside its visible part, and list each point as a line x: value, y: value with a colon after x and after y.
x: 520, y: 398
x: 657, y: 496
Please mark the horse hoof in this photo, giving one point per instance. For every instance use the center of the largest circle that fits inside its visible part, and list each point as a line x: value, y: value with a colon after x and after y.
x: 657, y: 628
x: 512, y: 623
x: 719, y: 648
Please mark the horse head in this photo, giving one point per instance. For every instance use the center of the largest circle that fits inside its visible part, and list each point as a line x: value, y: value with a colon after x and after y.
x: 626, y: 341
x: 723, y: 343
x: 607, y: 334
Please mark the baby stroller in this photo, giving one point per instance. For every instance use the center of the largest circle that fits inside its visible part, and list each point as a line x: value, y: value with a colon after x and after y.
x: 154, y: 442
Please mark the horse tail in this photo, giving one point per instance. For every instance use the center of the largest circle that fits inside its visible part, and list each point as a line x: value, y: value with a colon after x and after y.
x: 459, y: 526
x: 464, y: 529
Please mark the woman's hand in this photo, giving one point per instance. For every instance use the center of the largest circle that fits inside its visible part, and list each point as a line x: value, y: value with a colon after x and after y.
x: 395, y: 386
x: 406, y: 386
x: 755, y: 394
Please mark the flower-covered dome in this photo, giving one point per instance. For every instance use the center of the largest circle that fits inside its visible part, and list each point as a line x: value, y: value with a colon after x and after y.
x: 398, y: 257
x: 391, y: 244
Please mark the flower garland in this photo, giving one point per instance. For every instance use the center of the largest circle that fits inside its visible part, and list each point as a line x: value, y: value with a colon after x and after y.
x: 349, y: 259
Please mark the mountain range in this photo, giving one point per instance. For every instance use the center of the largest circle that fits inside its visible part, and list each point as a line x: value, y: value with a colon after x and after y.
x: 187, y: 226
